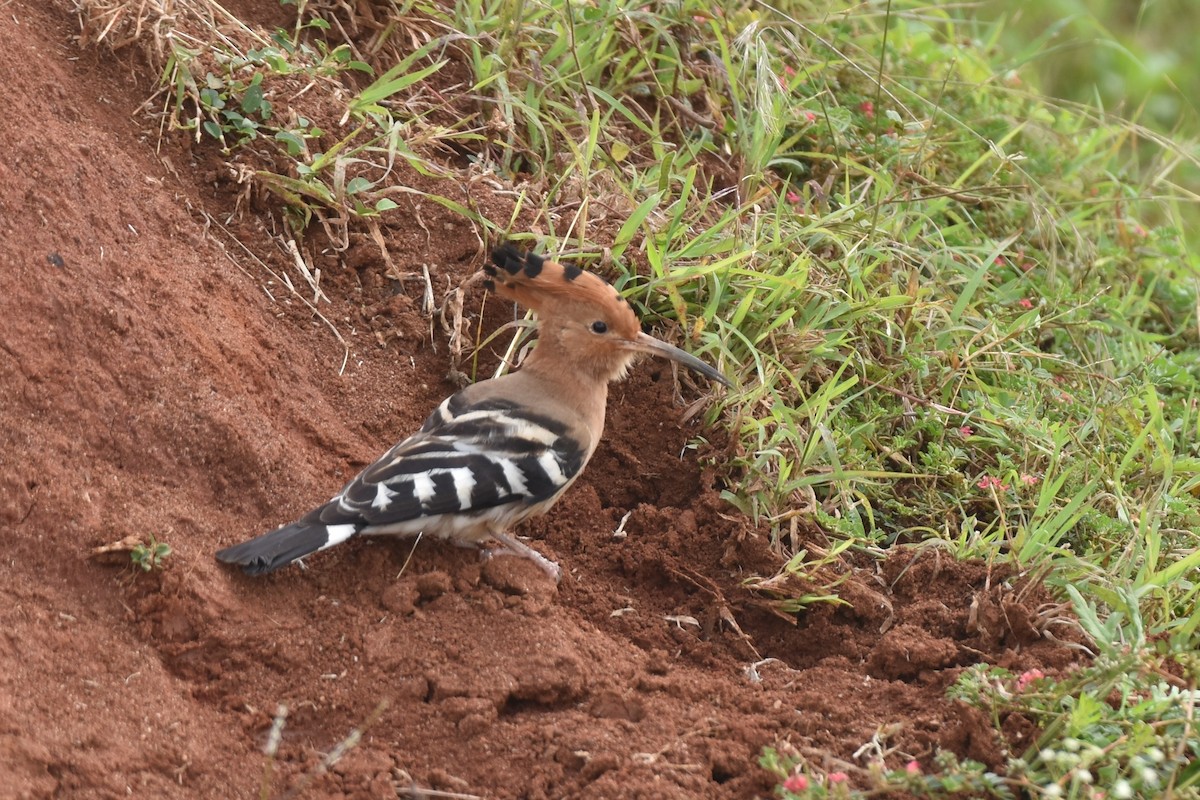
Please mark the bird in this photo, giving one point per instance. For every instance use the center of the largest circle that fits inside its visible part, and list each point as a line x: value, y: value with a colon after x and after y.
x: 501, y: 450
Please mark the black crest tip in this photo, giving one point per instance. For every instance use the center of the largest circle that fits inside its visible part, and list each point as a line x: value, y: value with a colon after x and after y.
x: 508, y: 258
x: 533, y: 265
x: 571, y: 272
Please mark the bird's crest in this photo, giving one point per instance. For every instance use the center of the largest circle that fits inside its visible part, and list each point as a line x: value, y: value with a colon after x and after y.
x: 544, y: 285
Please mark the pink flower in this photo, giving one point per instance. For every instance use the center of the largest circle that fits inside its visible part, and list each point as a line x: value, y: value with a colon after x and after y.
x: 810, y: 116
x: 1025, y: 303
x: 868, y: 110
x: 989, y: 482
x: 791, y: 73
x: 999, y: 261
x: 838, y: 777
x: 1028, y: 677
x: 912, y: 767
x: 796, y: 783
x: 965, y: 431
x: 1023, y: 263
x: 1029, y: 480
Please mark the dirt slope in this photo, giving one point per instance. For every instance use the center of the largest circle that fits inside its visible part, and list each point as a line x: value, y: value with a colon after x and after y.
x: 155, y: 380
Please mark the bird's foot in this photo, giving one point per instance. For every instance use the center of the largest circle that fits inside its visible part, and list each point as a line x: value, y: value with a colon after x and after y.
x: 515, y: 547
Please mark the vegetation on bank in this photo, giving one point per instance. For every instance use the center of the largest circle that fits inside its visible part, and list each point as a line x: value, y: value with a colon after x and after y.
x: 960, y: 314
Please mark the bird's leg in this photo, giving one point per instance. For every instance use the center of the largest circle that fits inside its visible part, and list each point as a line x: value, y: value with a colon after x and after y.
x: 513, y: 546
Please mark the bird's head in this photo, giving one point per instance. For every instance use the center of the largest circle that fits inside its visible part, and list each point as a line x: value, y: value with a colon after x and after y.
x: 581, y: 316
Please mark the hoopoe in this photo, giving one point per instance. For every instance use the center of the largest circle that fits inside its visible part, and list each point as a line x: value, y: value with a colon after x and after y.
x: 500, y: 450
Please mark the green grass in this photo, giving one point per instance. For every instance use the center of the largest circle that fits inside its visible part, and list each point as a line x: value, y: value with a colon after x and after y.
x: 956, y: 310
x: 1138, y: 58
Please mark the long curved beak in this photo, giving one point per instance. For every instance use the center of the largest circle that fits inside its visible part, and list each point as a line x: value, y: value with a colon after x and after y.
x: 644, y: 343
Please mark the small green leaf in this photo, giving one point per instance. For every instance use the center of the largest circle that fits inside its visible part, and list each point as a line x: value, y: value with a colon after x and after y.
x: 212, y: 129
x: 619, y: 151
x: 386, y: 204
x: 294, y: 142
x: 252, y: 100
x: 211, y: 98
x: 357, y: 185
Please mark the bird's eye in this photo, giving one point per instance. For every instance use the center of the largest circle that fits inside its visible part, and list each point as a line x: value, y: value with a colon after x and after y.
x: 599, y: 326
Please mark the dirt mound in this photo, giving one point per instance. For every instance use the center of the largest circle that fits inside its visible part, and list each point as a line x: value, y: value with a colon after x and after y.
x: 158, y: 382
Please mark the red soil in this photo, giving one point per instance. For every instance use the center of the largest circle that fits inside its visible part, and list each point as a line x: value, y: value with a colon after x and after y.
x: 157, y: 381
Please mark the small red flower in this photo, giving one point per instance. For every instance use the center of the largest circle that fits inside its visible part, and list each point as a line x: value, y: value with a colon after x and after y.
x: 868, y: 110
x: 796, y: 783
x: 965, y: 431
x: 999, y: 261
x: 912, y: 767
x: 792, y: 197
x: 1028, y: 677
x: 838, y: 777
x: 989, y: 482
x: 810, y: 116
x: 791, y: 73
x: 1029, y: 480
x: 1025, y: 303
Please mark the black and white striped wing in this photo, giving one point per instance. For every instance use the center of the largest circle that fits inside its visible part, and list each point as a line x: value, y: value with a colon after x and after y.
x: 466, y: 459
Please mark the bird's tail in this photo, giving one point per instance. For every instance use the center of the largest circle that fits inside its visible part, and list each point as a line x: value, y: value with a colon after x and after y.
x: 281, y: 547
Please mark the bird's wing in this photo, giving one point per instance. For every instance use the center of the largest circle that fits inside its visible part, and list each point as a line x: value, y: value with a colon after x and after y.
x: 467, y: 457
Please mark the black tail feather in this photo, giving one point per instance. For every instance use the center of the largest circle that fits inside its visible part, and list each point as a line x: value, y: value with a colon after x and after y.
x: 276, y: 549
